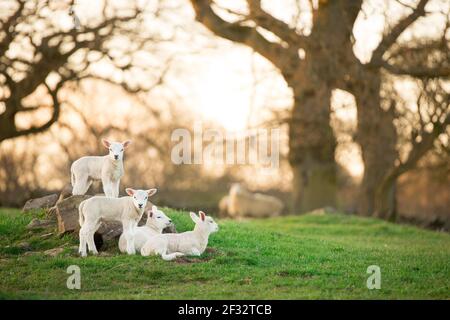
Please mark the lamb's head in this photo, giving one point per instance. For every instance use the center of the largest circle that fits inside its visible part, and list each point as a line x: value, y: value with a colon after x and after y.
x: 116, y: 149
x: 158, y: 219
x: 140, y: 197
x: 204, y: 223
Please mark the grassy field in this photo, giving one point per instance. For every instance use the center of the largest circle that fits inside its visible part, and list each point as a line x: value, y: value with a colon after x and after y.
x: 298, y: 257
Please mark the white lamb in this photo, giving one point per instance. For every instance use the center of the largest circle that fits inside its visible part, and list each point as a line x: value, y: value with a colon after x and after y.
x: 156, y: 222
x: 242, y: 202
x: 108, y: 169
x: 128, y: 210
x: 172, y: 245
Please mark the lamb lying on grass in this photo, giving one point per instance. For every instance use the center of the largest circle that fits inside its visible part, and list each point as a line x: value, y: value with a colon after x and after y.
x: 128, y: 210
x: 108, y: 169
x: 242, y: 202
x: 172, y: 245
x: 156, y: 222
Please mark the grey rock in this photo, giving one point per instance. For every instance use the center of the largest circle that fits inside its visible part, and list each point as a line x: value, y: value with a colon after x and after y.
x: 67, y: 214
x: 24, y: 246
x: 54, y: 252
x: 41, y: 203
x: 110, y: 230
x: 38, y: 224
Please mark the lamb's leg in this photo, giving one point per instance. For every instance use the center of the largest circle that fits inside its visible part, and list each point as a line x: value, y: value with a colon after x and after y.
x: 107, y: 187
x: 82, y: 184
x: 195, y: 252
x: 122, y: 243
x: 83, y: 242
x: 82, y: 247
x: 91, y: 244
x: 90, y: 239
x: 171, y: 256
x: 115, y: 188
x: 128, y: 229
x: 162, y: 251
x: 146, y: 250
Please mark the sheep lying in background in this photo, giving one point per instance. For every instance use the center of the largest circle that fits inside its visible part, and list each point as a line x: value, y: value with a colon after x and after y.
x: 156, y: 222
x: 223, y: 206
x: 172, y: 245
x: 128, y: 210
x: 242, y: 202
x: 108, y: 169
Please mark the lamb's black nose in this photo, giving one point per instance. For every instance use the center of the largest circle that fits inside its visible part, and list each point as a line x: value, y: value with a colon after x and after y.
x: 116, y: 157
x: 140, y: 206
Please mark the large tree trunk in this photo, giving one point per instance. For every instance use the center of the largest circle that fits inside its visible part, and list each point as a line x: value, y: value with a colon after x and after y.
x: 313, y: 65
x: 324, y: 63
x: 311, y: 148
x: 312, y: 144
x: 385, y: 200
x: 376, y: 135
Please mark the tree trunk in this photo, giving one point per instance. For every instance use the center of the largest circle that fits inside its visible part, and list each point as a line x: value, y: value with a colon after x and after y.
x: 323, y: 63
x: 385, y: 200
x: 311, y: 149
x: 328, y: 60
x: 377, y: 137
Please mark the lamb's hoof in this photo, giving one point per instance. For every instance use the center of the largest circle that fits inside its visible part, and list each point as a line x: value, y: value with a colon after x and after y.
x: 95, y: 253
x: 83, y: 254
x: 131, y: 253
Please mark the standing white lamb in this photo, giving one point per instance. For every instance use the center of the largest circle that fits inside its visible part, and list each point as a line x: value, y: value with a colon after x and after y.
x: 242, y: 202
x: 108, y: 169
x: 128, y: 210
x: 172, y: 245
x: 156, y: 222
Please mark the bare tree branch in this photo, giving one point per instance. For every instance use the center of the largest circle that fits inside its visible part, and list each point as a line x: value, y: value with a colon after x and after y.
x: 435, y: 101
x: 278, y: 27
x: 237, y: 32
x: 64, y: 54
x: 8, y: 27
x: 418, y: 71
x: 54, y: 117
x: 390, y: 38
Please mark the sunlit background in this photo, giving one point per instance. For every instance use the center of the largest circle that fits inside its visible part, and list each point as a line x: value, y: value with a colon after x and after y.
x: 205, y: 78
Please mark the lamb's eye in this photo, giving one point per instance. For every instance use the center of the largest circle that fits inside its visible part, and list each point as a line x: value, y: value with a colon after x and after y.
x: 159, y: 217
x: 121, y: 150
x: 210, y: 222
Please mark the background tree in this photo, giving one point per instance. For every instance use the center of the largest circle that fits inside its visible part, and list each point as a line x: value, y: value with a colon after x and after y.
x: 313, y: 65
x: 44, y: 46
x: 420, y: 130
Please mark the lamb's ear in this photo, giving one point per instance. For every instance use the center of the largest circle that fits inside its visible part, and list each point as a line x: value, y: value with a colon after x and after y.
x: 202, y: 215
x: 126, y: 144
x: 129, y: 191
x: 106, y: 143
x: 194, y: 217
x: 154, y: 209
x: 151, y: 192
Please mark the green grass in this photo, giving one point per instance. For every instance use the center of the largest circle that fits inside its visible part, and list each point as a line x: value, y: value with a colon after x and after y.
x: 297, y: 257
